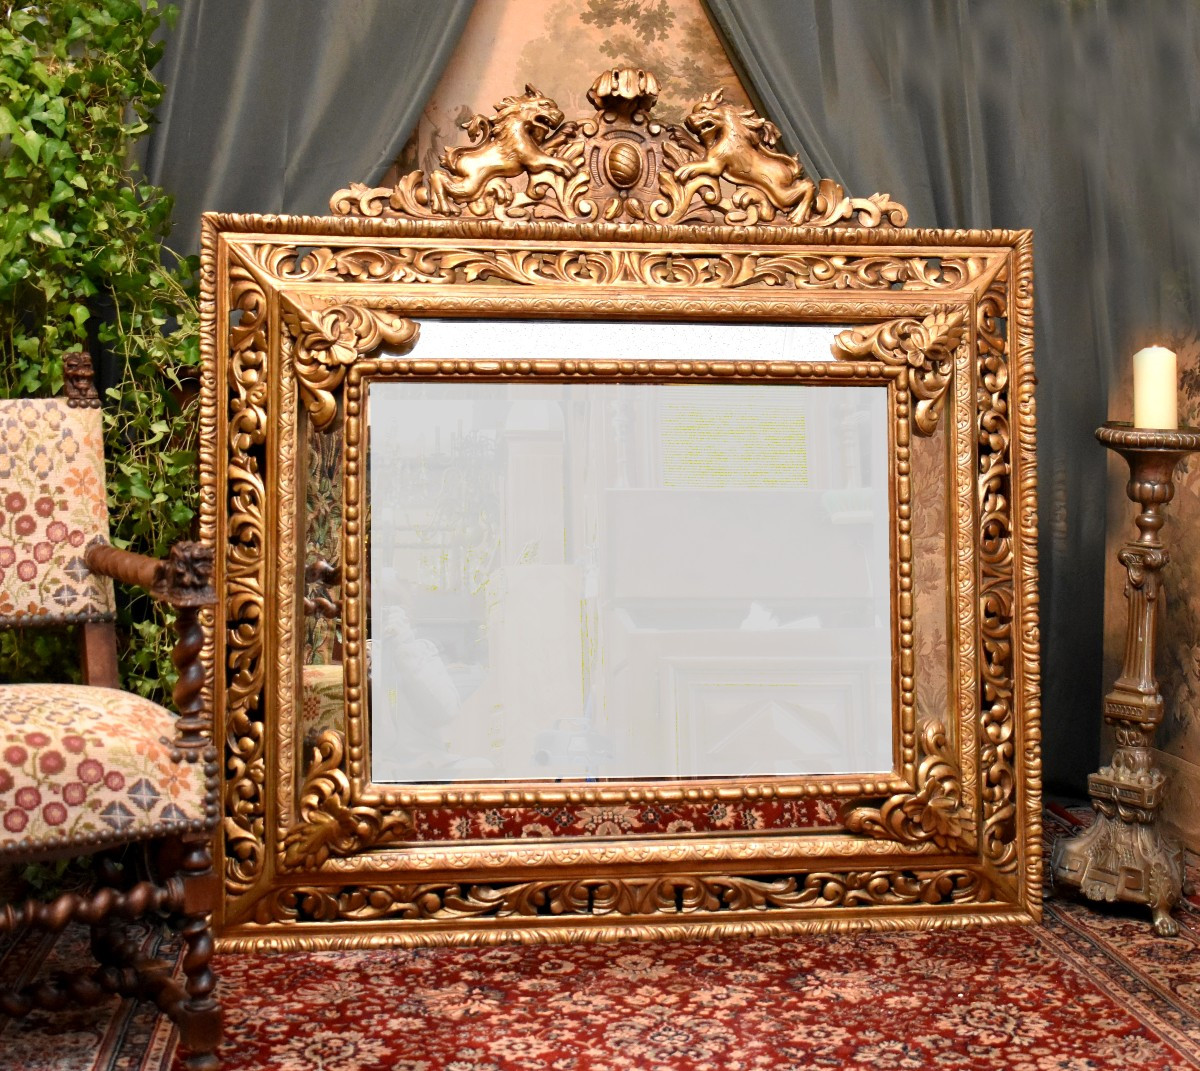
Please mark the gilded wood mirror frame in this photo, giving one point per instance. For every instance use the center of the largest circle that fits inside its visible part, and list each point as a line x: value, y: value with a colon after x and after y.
x: 618, y: 217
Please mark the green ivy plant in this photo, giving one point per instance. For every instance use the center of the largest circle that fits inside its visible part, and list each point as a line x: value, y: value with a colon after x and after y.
x: 81, y: 267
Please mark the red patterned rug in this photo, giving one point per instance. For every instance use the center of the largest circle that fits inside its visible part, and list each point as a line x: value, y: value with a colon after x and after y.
x: 1089, y: 990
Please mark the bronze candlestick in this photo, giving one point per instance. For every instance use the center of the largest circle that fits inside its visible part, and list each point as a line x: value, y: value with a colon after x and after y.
x: 1124, y: 855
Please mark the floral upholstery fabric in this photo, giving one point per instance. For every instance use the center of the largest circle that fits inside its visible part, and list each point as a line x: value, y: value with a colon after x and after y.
x: 322, y: 700
x: 85, y: 765
x: 52, y: 508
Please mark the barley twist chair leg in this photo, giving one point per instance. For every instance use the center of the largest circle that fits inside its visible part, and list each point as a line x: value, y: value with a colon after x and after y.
x: 198, y: 1015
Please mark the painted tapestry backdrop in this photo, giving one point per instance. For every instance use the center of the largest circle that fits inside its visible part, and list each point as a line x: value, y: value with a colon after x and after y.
x: 560, y: 46
x: 1178, y: 738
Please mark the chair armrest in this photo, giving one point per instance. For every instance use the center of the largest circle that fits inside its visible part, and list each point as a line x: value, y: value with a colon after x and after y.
x: 184, y: 579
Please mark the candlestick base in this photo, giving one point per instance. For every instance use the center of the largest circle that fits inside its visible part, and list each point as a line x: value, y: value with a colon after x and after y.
x: 1117, y: 858
x: 1124, y: 855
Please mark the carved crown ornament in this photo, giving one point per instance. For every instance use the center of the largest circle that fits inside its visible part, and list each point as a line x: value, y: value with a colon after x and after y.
x: 526, y: 161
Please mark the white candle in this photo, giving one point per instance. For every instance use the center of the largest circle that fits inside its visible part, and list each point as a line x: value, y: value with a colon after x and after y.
x: 1155, y: 389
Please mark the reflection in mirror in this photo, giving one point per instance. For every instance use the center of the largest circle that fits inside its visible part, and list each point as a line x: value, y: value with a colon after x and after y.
x: 930, y: 566
x: 322, y: 688
x: 596, y: 580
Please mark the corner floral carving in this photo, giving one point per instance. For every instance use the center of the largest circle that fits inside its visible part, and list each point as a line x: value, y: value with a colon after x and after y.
x: 933, y: 812
x: 925, y: 346
x: 721, y: 165
x: 330, y: 823
x: 330, y: 339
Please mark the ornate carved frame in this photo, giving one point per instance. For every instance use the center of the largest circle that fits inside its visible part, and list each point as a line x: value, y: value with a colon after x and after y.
x: 617, y: 217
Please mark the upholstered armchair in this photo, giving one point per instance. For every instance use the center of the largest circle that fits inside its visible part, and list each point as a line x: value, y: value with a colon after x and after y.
x: 89, y: 769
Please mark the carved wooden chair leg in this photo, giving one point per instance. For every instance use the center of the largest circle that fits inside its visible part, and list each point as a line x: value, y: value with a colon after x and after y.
x: 198, y: 1015
x: 108, y: 943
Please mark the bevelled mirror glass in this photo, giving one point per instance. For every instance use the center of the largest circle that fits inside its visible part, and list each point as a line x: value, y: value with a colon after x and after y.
x: 627, y: 581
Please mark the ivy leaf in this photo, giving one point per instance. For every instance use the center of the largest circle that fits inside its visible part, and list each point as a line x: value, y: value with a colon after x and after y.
x: 29, y: 142
x: 47, y: 234
x: 80, y: 253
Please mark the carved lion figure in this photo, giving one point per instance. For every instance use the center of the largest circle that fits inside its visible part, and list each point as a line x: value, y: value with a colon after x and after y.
x: 508, y: 144
x: 740, y: 146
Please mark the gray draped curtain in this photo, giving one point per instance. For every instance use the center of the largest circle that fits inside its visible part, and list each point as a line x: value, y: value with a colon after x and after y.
x: 272, y: 105
x: 1080, y: 120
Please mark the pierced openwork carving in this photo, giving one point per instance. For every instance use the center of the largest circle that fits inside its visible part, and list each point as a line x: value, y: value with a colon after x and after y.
x: 998, y: 781
x: 440, y: 265
x: 651, y: 897
x: 244, y: 574
x: 621, y: 165
x: 618, y: 216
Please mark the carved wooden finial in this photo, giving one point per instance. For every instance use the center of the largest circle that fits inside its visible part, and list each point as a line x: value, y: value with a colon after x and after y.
x: 79, y: 381
x: 185, y: 577
x: 721, y: 165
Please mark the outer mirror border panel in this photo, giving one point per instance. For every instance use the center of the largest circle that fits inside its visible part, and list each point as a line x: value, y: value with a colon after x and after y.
x: 296, y: 315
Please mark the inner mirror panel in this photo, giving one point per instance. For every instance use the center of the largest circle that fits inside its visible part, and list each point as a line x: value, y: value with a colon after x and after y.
x: 598, y: 581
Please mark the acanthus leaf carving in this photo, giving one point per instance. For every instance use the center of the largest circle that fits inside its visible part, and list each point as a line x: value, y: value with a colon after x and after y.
x: 657, y: 896
x: 997, y: 726
x: 329, y: 821
x: 934, y: 811
x: 331, y: 338
x: 722, y: 164
x: 726, y: 269
x: 926, y: 346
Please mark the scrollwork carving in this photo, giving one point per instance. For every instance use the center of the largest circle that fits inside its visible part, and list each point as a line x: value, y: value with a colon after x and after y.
x: 330, y: 822
x: 997, y: 725
x: 926, y: 346
x: 644, y: 897
x: 933, y: 812
x: 800, y: 270
x: 245, y: 770
x: 525, y: 162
